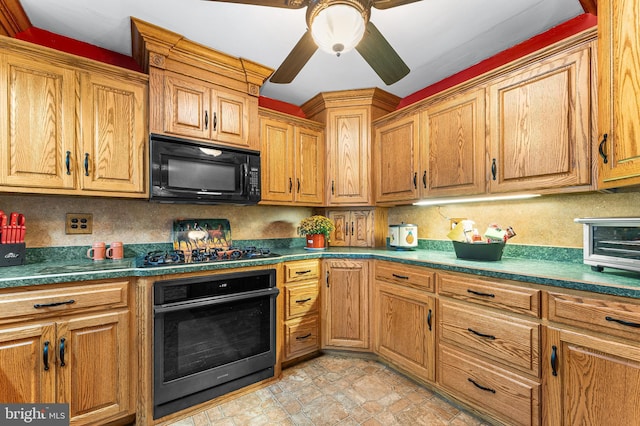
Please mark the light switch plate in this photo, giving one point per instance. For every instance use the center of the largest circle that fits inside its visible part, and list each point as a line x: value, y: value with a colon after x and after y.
x: 79, y: 223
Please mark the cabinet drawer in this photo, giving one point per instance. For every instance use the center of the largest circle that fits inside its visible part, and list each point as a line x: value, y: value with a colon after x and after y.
x: 63, y: 300
x: 301, y: 337
x: 508, y: 397
x: 611, y: 316
x: 298, y: 271
x: 301, y: 299
x: 398, y: 273
x: 511, y: 341
x: 496, y: 294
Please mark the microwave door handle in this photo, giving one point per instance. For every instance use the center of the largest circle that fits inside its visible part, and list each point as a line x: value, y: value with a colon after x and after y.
x: 245, y: 177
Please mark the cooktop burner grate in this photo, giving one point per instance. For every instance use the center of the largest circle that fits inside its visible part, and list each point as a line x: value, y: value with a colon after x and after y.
x: 203, y: 255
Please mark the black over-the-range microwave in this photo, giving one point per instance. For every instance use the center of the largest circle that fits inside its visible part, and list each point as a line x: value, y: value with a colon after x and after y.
x: 186, y: 171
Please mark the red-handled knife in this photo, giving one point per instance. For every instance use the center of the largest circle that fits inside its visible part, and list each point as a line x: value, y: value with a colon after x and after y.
x: 22, y: 228
x: 13, y: 227
x: 3, y: 228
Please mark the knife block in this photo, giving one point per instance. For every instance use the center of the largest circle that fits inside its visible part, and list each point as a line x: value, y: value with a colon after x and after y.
x: 12, y: 254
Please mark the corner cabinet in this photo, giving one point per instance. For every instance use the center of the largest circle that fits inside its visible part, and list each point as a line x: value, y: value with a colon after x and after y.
x: 618, y: 93
x: 347, y: 116
x: 292, y: 157
x: 50, y: 96
x: 70, y: 345
x: 345, y: 305
x: 539, y: 123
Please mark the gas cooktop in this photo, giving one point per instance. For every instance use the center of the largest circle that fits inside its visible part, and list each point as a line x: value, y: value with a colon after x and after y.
x: 202, y: 255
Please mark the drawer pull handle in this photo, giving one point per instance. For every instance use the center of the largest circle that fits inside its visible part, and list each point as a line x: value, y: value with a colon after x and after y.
x: 402, y: 277
x: 62, y: 352
x: 429, y: 319
x: 554, y: 360
x: 488, y: 336
x: 480, y: 386
x: 303, y: 337
x: 303, y: 272
x: 49, y: 305
x: 623, y: 322
x: 478, y: 293
x: 45, y: 355
x: 303, y: 300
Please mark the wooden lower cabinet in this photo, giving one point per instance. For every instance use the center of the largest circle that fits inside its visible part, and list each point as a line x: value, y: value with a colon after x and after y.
x: 60, y: 354
x: 405, y: 331
x: 591, y: 360
x: 301, y: 325
x: 505, y: 396
x: 345, y: 304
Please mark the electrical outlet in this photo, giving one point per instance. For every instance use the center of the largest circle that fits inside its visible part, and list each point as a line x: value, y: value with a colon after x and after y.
x: 453, y: 221
x: 79, y: 223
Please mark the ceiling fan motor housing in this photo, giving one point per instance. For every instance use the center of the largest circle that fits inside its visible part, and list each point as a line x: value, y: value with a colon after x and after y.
x: 317, y: 6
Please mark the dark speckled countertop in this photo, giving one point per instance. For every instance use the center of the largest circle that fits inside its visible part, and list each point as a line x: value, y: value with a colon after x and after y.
x: 552, y: 273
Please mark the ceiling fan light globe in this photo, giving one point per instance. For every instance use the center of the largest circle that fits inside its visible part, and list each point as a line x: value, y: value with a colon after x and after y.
x: 338, y: 28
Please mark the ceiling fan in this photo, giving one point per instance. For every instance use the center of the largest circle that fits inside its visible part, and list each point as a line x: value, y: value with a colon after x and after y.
x: 337, y: 26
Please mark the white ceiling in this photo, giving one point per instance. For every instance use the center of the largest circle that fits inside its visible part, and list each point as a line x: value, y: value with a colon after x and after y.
x: 436, y: 38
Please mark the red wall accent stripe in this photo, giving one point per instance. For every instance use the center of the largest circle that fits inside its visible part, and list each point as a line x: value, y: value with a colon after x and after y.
x: 553, y: 35
x: 65, y: 44
x: 281, y: 106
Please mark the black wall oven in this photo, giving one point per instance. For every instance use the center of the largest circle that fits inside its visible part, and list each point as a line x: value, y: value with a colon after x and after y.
x: 212, y: 335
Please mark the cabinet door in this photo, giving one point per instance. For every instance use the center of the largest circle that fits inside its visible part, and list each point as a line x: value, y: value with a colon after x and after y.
x: 95, y: 379
x: 341, y: 234
x: 277, y: 160
x: 345, y: 304
x: 589, y: 380
x: 114, y: 135
x: 539, y: 122
x: 397, y: 168
x: 405, y: 328
x: 309, y: 156
x: 187, y: 107
x: 229, y: 118
x: 455, y: 140
x: 37, y: 133
x: 348, y: 155
x: 28, y: 364
x: 618, y: 93
x: 361, y: 232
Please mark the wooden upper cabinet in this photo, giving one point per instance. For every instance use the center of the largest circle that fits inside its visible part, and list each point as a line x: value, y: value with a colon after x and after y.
x: 38, y: 134
x: 114, y: 135
x: 397, y: 168
x: 539, y: 125
x: 618, y: 93
x: 454, y: 135
x: 196, y: 109
x: 292, y: 156
x: 197, y: 92
x: 348, y: 177
x: 73, y: 126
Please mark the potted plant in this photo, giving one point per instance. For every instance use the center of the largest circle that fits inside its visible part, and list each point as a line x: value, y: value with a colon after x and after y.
x: 316, y: 230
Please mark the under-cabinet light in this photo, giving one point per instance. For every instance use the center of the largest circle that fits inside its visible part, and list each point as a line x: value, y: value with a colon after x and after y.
x: 441, y: 201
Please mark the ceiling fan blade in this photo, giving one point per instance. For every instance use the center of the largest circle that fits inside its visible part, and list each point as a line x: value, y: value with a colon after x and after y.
x: 288, y: 4
x: 297, y: 58
x: 379, y: 54
x: 388, y: 4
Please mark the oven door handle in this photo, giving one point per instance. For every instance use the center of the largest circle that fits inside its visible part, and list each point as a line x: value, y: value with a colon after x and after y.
x: 215, y: 300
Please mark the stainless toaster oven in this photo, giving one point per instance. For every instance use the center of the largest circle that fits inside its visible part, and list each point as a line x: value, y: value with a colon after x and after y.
x: 612, y: 242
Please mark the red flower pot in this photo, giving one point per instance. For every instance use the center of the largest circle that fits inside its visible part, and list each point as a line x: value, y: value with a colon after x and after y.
x: 315, y: 241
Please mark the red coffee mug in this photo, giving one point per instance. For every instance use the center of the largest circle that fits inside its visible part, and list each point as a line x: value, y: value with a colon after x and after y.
x: 97, y: 251
x: 115, y: 251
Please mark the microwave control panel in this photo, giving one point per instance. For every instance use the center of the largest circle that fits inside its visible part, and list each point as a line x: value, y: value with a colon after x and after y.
x: 254, y: 181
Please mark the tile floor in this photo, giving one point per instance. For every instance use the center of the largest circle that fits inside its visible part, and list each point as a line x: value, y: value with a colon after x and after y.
x: 336, y: 390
